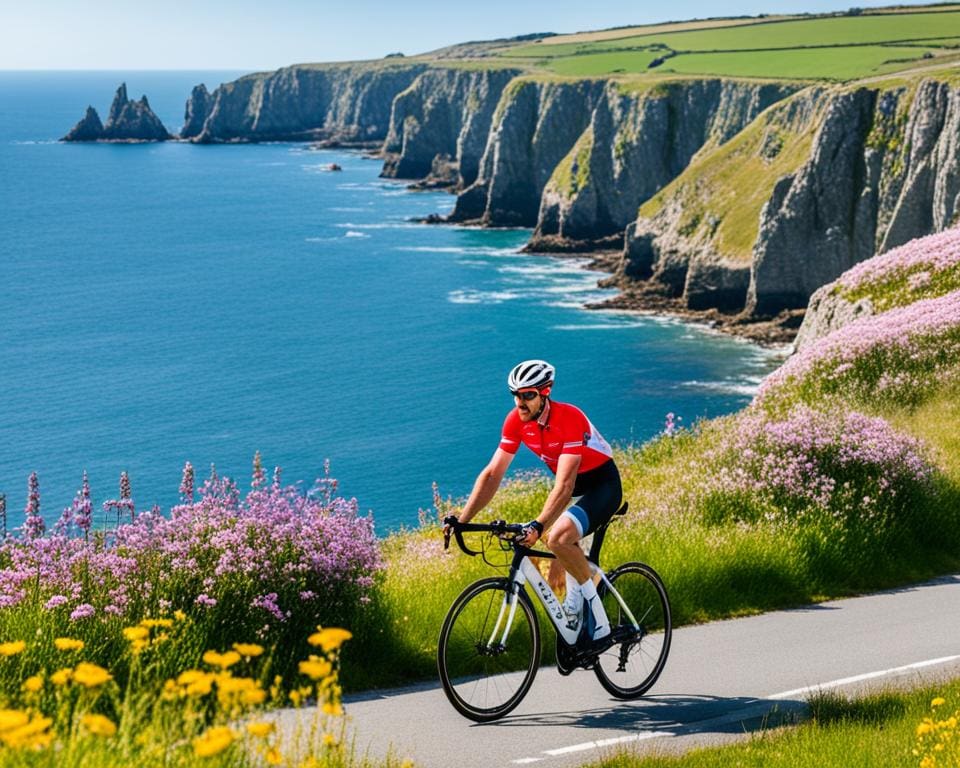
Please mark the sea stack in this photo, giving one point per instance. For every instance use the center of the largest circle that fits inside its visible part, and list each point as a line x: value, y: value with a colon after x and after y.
x: 128, y: 121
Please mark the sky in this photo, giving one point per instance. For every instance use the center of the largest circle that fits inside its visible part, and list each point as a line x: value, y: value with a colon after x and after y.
x: 253, y: 35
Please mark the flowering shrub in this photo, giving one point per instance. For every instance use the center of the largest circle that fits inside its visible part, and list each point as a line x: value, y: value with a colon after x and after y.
x: 898, y: 357
x: 921, y: 269
x: 849, y: 475
x: 263, y: 565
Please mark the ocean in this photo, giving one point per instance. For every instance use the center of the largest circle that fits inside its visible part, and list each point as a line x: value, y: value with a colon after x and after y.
x: 163, y: 303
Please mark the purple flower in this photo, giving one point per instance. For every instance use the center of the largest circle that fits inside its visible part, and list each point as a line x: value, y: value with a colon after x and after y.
x: 186, y: 483
x: 33, y: 525
x: 55, y: 601
x: 82, y: 611
x: 204, y: 599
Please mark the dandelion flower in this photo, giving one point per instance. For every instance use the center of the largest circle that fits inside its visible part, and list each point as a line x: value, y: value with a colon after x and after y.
x: 61, y: 676
x: 99, y: 725
x: 136, y: 634
x: 68, y: 644
x: 938, y: 701
x: 273, y: 756
x: 261, y: 728
x: 33, y: 684
x: 222, y: 660
x: 329, y: 639
x: 12, y: 718
x: 213, y: 741
x: 329, y: 739
x: 91, y: 675
x: 315, y: 668
x: 12, y: 648
x: 248, y: 649
x: 924, y: 728
x: 151, y: 623
x: 33, y: 733
x: 332, y: 708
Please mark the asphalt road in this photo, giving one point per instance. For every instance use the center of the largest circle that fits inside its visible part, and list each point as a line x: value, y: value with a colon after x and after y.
x: 721, y: 680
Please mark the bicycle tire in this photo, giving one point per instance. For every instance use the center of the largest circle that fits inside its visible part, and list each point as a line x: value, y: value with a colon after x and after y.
x: 482, y: 681
x: 628, y: 669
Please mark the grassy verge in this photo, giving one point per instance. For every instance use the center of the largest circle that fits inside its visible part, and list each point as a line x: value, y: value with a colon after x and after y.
x: 886, y: 729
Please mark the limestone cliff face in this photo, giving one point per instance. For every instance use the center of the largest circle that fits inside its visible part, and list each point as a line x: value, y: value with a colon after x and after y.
x: 349, y: 104
x: 535, y: 125
x: 442, y: 121
x: 196, y: 112
x: 816, y: 184
x: 635, y: 144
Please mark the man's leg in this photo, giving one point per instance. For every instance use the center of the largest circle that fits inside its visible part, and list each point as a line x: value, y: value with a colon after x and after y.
x: 564, y: 543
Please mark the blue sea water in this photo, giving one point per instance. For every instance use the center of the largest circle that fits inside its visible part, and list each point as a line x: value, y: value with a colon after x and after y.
x: 161, y: 303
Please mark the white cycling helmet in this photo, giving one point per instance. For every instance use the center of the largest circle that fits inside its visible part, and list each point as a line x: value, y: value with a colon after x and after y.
x: 531, y: 374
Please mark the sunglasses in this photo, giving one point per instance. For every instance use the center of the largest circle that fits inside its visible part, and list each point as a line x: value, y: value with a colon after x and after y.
x: 527, y: 394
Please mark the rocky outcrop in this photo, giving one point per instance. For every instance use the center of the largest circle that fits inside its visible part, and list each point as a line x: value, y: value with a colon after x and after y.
x: 833, y: 176
x: 197, y: 111
x: 334, y: 104
x: 828, y: 311
x: 636, y: 143
x: 128, y: 121
x: 439, y: 125
x: 88, y: 129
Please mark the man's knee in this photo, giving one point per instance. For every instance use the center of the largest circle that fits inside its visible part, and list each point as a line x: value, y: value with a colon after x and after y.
x: 564, y: 534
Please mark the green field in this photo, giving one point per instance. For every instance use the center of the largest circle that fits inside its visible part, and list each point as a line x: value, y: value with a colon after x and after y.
x: 828, y: 48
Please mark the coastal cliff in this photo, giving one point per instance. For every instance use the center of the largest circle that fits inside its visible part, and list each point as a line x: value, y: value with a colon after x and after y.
x: 334, y: 104
x: 128, y: 121
x: 815, y: 185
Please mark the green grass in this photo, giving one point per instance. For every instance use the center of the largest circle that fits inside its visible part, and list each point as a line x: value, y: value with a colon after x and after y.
x: 872, y: 731
x: 825, y: 48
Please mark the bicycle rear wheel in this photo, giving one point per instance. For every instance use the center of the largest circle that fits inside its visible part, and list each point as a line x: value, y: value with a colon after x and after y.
x: 486, y: 670
x: 632, y: 665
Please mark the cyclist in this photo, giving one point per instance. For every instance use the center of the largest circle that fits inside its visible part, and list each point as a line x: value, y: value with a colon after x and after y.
x: 563, y: 437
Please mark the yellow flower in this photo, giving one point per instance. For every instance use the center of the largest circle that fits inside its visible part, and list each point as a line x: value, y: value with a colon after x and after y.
x: 222, y: 660
x: 32, y: 733
x: 99, y: 725
x: 273, y: 756
x: 12, y: 718
x: 134, y: 634
x: 329, y: 739
x: 331, y: 708
x: 150, y: 623
x: 213, y: 741
x: 315, y: 668
x: 329, y: 639
x: 195, y: 682
x: 61, y: 676
x: 68, y: 644
x: 179, y: 615
x: 938, y: 701
x: 924, y: 728
x: 91, y: 675
x: 248, y: 649
x: 33, y: 684
x: 261, y: 728
x: 253, y: 697
x: 12, y: 648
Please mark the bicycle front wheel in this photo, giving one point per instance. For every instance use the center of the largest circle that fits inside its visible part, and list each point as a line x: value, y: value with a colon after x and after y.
x: 489, y: 650
x: 632, y: 665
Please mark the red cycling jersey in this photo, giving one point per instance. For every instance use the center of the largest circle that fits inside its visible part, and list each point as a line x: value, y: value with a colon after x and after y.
x: 562, y: 428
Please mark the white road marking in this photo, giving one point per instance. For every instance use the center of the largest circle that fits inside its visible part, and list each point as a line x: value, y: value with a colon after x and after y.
x: 859, y: 678
x: 735, y: 715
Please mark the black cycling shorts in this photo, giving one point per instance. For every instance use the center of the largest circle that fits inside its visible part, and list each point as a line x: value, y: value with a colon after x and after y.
x: 600, y: 496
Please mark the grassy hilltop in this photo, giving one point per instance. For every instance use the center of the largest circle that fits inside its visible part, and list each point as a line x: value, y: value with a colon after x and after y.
x: 834, y: 47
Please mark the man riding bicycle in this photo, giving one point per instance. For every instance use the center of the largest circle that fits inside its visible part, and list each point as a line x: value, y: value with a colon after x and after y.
x: 563, y: 437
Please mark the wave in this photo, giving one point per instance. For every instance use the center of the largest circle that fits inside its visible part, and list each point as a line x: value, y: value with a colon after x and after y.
x: 470, y: 296
x: 351, y: 233
x: 727, y: 387
x: 463, y: 250
x: 381, y: 225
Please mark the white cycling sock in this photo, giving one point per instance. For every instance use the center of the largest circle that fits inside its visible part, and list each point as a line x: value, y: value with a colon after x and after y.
x: 601, y: 624
x: 573, y: 600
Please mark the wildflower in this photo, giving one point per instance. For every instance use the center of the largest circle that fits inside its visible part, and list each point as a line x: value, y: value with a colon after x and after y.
x: 179, y: 615
x: 939, y: 701
x: 315, y: 668
x: 99, y: 725
x: 924, y: 728
x: 222, y: 660
x: 248, y: 649
x: 204, y: 599
x: 55, y: 601
x: 261, y: 729
x: 213, y: 741
x: 253, y: 697
x: 135, y: 634
x: 32, y: 684
x: 332, y: 708
x: 30, y: 734
x: 62, y: 676
x: 12, y: 718
x: 82, y: 611
x: 329, y: 639
x: 91, y: 675
x: 151, y: 623
x: 68, y: 644
x: 329, y: 739
x: 273, y: 756
x: 196, y: 682
x: 12, y: 648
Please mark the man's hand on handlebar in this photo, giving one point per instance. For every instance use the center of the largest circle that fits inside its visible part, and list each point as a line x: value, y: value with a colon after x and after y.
x: 448, y: 522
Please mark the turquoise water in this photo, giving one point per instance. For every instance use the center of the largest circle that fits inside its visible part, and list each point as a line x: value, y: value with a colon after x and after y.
x: 165, y: 303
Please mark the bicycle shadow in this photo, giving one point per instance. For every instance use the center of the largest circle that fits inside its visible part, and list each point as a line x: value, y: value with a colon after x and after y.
x: 678, y: 714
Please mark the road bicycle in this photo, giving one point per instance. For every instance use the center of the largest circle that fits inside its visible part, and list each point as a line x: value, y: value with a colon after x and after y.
x: 489, y: 648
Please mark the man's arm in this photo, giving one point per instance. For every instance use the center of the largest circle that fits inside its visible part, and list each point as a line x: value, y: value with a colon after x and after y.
x: 486, y: 484
x: 560, y: 494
